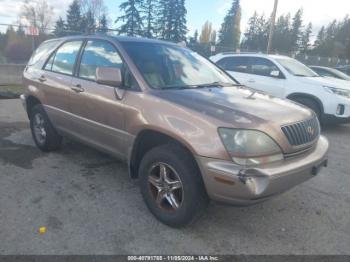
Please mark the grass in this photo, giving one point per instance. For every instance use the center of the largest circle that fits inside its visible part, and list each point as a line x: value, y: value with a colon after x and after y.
x: 14, y: 89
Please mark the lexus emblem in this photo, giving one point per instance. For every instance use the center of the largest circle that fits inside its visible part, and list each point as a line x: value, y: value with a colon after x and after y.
x: 311, y: 131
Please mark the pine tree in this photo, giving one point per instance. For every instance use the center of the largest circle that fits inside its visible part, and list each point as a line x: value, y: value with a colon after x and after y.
x: 305, y: 40
x: 60, y: 28
x: 132, y: 24
x: 230, y: 32
x: 282, y: 35
x: 180, y: 24
x: 296, y: 32
x: 88, y: 22
x: 172, y: 20
x: 103, y: 24
x: 149, y: 8
x: 74, y: 18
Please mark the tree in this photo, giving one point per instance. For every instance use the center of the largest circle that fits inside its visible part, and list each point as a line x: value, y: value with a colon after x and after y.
x: 132, y: 24
x: 193, y: 40
x: 256, y: 36
x: 206, y: 33
x: 282, y: 36
x: 103, y: 24
x: 74, y: 18
x: 230, y: 32
x: 296, y: 31
x: 149, y: 18
x: 60, y: 28
x: 88, y: 22
x: 172, y: 20
x: 305, y: 40
x: 37, y: 13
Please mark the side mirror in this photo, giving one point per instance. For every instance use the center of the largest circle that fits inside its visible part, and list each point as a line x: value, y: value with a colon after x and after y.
x: 109, y: 76
x: 275, y: 73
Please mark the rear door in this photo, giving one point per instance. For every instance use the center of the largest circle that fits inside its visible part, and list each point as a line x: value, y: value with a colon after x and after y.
x: 237, y: 66
x: 99, y: 114
x: 56, y: 78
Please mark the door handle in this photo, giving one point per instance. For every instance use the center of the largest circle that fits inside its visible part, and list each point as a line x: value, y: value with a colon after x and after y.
x: 42, y: 78
x: 251, y: 81
x: 78, y: 88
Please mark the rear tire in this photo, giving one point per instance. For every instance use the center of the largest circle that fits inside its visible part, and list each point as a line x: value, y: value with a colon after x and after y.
x: 183, y: 205
x: 44, y: 134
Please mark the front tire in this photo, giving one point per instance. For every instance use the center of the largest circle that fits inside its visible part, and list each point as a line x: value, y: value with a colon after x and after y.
x: 171, y: 185
x: 309, y: 103
x: 44, y: 134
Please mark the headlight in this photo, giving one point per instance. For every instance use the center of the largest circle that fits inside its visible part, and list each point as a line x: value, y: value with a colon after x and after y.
x: 338, y: 91
x: 250, y: 147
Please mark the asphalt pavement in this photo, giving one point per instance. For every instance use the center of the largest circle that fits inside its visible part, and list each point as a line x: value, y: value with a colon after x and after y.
x: 89, y: 205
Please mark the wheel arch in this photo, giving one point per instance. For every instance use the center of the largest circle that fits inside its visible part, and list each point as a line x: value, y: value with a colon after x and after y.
x: 31, y: 101
x: 148, y: 139
x: 309, y: 96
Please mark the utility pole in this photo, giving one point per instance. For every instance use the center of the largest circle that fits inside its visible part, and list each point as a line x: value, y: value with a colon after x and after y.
x: 272, y: 27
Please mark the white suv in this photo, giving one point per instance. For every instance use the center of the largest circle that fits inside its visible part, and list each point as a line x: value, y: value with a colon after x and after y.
x: 285, y: 77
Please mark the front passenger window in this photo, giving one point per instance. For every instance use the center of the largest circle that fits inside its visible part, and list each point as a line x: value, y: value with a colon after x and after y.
x: 98, y: 53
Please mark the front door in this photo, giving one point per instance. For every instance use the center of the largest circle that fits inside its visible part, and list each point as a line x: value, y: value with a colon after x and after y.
x: 265, y: 76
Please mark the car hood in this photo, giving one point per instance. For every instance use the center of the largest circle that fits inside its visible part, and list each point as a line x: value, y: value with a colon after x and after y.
x: 240, y: 107
x: 326, y: 81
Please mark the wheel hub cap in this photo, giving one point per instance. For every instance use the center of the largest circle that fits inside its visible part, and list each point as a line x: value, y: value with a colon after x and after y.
x: 166, y: 187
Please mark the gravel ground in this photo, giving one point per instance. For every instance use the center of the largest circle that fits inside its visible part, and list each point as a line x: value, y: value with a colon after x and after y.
x: 89, y: 205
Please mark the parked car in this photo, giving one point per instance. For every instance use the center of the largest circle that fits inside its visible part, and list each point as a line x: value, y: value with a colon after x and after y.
x: 330, y: 72
x: 345, y: 69
x: 285, y: 77
x: 188, y: 131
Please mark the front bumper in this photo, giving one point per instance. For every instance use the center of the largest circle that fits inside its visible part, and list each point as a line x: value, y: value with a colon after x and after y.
x: 332, y: 119
x: 234, y: 184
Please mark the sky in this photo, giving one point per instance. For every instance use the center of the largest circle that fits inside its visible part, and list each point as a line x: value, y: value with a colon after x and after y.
x: 319, y: 12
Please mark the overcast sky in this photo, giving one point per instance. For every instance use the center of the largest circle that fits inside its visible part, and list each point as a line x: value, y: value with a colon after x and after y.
x: 319, y: 12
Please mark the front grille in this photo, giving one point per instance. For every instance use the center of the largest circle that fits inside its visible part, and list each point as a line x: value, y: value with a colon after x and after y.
x: 302, y: 133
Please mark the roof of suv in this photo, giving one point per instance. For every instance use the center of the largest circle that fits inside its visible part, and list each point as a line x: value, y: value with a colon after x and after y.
x: 115, y: 38
x: 222, y: 55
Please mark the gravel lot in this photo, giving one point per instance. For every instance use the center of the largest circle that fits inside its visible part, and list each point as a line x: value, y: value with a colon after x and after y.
x: 89, y: 205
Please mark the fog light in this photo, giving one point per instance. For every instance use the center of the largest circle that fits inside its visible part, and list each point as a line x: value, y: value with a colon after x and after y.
x: 340, y: 110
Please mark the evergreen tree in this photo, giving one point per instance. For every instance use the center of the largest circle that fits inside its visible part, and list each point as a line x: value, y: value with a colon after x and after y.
x: 103, y: 24
x: 305, y: 40
x: 230, y: 32
x: 60, y: 28
x: 132, y: 24
x: 282, y: 36
x: 172, y: 20
x: 257, y: 33
x: 88, y: 22
x: 296, y: 31
x: 193, y: 40
x: 149, y: 8
x: 74, y: 18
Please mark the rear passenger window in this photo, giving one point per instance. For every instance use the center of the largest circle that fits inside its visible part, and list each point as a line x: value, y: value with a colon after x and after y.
x: 262, y: 66
x: 64, y: 59
x: 236, y: 64
x: 98, y: 53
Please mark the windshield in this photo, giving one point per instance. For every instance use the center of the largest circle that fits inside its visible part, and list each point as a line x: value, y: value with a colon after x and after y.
x: 296, y: 68
x: 166, y: 66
